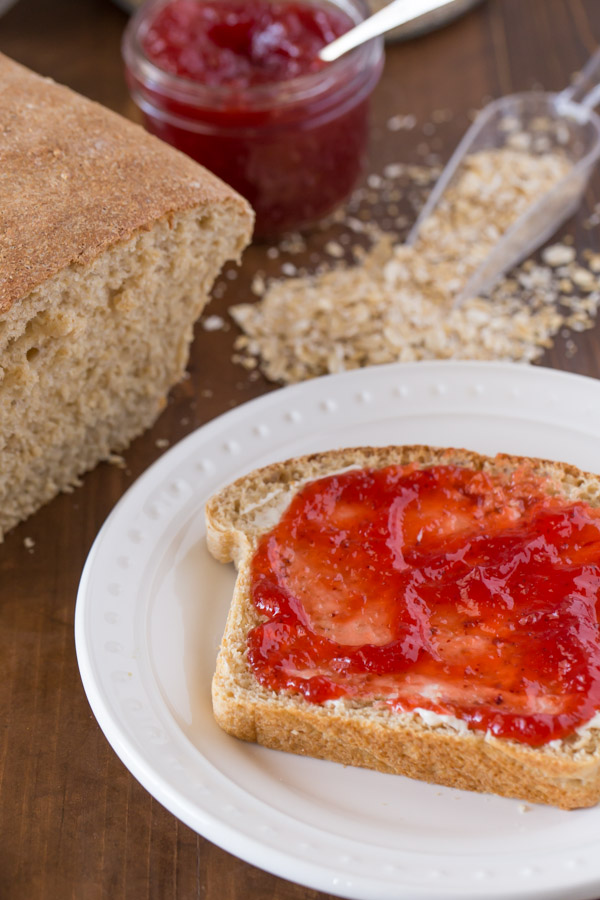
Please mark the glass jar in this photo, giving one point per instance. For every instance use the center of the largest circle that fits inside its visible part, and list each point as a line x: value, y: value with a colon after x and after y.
x: 293, y: 148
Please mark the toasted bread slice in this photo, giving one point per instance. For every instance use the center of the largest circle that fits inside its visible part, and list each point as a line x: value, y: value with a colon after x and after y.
x: 421, y: 745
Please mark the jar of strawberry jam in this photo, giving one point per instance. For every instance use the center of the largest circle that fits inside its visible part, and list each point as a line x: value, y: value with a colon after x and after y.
x: 238, y: 86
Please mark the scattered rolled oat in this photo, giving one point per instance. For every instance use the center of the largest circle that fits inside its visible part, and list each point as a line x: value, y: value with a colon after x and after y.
x: 333, y: 248
x: 350, y: 318
x: 213, y: 323
x: 402, y: 123
x: 558, y: 255
x: 397, y: 305
x: 584, y: 279
x: 258, y: 285
x: 292, y: 243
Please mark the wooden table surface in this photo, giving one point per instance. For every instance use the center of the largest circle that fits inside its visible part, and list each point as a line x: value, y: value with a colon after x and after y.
x: 75, y: 823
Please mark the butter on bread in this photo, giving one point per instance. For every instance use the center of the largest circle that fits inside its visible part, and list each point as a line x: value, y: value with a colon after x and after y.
x: 109, y: 243
x: 429, y: 748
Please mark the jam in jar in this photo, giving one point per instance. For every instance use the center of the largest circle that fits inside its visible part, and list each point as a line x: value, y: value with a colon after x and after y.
x: 239, y: 87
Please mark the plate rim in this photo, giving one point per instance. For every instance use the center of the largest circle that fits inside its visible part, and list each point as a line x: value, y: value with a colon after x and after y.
x: 226, y: 836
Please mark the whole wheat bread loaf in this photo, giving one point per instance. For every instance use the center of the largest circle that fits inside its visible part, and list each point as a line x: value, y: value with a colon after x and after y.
x: 109, y: 243
x: 564, y: 773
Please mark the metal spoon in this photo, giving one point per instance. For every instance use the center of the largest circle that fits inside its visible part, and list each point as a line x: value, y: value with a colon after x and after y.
x: 400, y: 12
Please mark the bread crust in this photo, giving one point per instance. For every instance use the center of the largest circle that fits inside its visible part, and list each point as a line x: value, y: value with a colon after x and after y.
x: 77, y: 178
x: 563, y: 773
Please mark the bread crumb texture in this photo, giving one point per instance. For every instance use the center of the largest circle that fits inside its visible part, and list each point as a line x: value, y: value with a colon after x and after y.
x: 109, y: 244
x: 361, y: 733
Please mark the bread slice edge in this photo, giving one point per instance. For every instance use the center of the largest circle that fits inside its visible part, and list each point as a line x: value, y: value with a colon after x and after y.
x: 564, y: 773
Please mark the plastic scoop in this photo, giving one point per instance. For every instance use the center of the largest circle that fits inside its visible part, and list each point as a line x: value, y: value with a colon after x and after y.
x: 564, y: 123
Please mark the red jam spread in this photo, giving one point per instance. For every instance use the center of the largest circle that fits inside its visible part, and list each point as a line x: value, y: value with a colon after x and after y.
x: 229, y: 42
x: 239, y: 87
x: 442, y: 588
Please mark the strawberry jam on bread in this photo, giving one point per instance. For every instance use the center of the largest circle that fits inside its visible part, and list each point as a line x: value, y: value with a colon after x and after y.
x: 428, y: 612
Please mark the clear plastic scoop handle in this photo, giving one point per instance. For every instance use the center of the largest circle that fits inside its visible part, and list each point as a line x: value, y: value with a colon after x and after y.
x: 400, y: 12
x: 586, y: 85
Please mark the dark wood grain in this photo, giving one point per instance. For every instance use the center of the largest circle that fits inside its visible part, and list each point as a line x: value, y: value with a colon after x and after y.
x: 74, y: 823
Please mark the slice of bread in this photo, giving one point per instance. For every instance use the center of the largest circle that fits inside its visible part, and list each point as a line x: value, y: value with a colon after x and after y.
x: 109, y: 243
x: 421, y: 745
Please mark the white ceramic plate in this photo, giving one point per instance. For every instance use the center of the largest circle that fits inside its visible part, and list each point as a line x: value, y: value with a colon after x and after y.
x: 151, y: 609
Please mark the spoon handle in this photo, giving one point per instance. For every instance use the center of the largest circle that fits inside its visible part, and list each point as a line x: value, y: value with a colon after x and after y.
x: 585, y: 89
x: 391, y: 16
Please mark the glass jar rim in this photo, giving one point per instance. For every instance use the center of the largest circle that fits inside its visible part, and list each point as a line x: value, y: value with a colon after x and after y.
x: 290, y: 91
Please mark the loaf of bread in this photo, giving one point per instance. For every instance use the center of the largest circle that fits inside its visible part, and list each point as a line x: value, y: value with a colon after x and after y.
x: 419, y: 744
x: 109, y: 243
